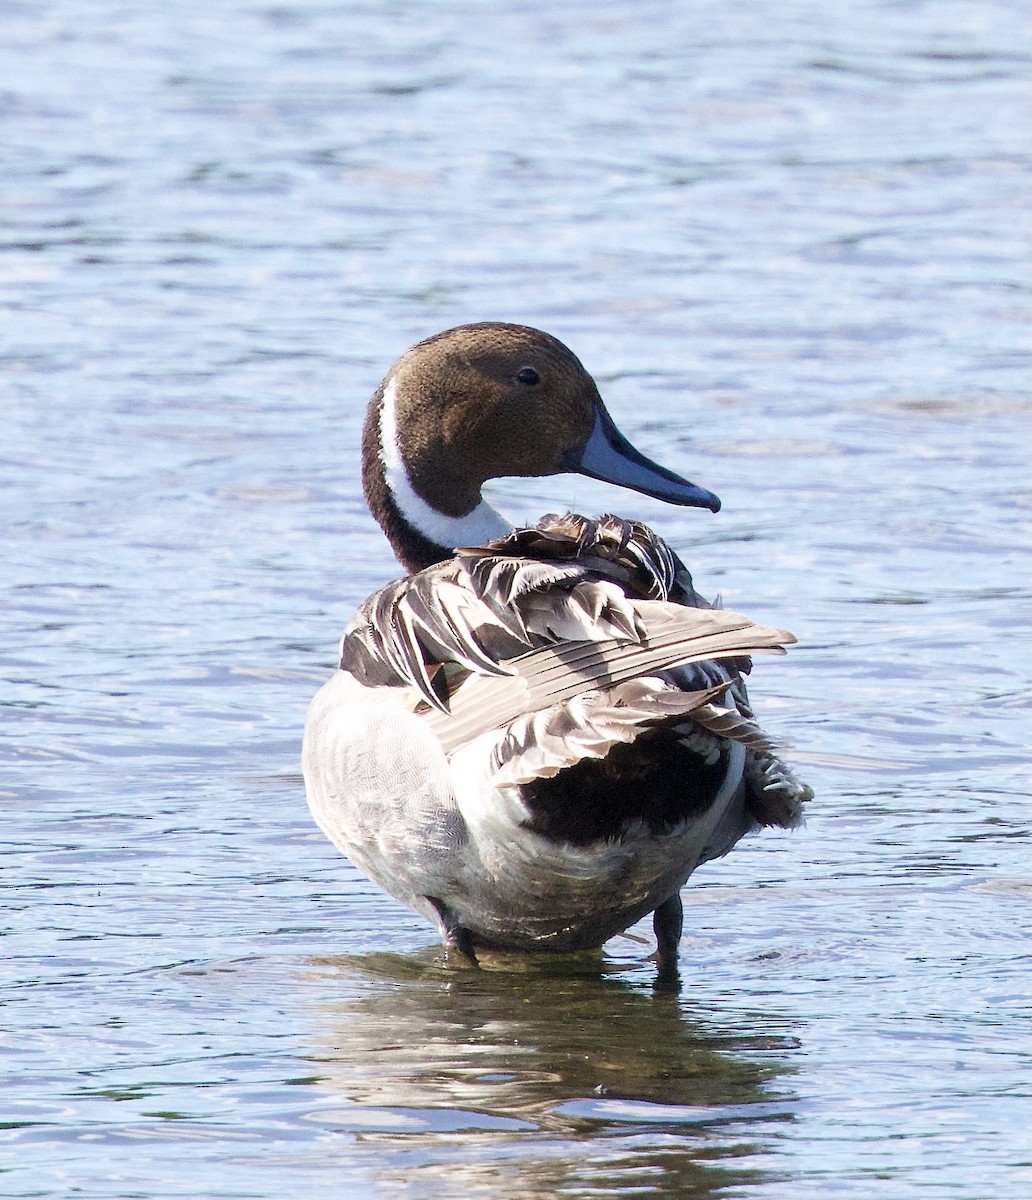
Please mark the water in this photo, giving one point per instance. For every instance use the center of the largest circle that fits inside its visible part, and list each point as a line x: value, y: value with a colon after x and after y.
x: 789, y: 242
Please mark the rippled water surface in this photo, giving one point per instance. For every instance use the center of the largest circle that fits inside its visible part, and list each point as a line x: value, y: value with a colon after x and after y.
x: 789, y: 241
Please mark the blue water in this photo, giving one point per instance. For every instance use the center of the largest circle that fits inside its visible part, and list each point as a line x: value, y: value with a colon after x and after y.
x: 791, y: 243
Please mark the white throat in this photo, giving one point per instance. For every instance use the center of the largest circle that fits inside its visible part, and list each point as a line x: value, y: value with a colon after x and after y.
x: 483, y: 524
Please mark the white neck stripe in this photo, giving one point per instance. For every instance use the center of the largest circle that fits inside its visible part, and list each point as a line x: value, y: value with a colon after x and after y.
x: 481, y: 525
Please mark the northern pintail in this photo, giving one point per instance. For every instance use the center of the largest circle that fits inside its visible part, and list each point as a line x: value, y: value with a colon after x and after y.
x: 537, y: 734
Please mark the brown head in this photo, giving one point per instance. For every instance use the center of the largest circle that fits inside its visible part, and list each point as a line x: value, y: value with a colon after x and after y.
x: 481, y: 402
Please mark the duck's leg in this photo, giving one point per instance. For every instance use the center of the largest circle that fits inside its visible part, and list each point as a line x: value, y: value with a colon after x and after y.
x: 455, y: 935
x: 667, y: 922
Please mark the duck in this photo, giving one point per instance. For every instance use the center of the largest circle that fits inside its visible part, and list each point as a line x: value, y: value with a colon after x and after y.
x: 537, y: 733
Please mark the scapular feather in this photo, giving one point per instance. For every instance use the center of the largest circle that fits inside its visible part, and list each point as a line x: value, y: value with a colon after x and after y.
x: 598, y: 602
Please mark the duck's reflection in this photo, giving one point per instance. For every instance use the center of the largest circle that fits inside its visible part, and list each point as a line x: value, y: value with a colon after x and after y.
x: 537, y: 1075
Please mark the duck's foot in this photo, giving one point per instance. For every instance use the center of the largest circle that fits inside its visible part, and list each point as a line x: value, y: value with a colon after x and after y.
x: 667, y: 922
x: 454, y: 934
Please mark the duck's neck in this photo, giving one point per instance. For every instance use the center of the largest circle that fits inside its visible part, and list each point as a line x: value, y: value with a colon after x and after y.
x: 419, y: 534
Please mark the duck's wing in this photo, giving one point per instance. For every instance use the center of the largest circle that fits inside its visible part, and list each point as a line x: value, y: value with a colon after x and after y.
x: 536, y: 618
x: 567, y: 638
x: 671, y: 636
x: 566, y: 580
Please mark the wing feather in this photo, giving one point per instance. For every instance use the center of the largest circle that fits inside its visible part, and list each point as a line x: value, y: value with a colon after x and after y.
x: 556, y: 674
x: 543, y: 615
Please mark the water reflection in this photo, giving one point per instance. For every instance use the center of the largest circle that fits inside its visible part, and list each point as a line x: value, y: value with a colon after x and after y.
x: 536, y: 1076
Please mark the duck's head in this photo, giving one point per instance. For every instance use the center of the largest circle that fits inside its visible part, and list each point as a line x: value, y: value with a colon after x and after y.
x: 482, y: 402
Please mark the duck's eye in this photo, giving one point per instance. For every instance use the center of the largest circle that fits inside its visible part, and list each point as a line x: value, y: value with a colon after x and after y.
x: 528, y: 376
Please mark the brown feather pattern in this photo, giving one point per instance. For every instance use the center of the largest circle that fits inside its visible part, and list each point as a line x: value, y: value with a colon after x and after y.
x: 561, y: 607
x: 571, y: 611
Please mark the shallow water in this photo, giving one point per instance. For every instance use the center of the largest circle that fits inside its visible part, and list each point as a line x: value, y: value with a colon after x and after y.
x: 788, y: 240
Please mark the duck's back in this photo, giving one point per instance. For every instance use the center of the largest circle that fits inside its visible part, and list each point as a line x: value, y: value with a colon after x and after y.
x: 545, y: 735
